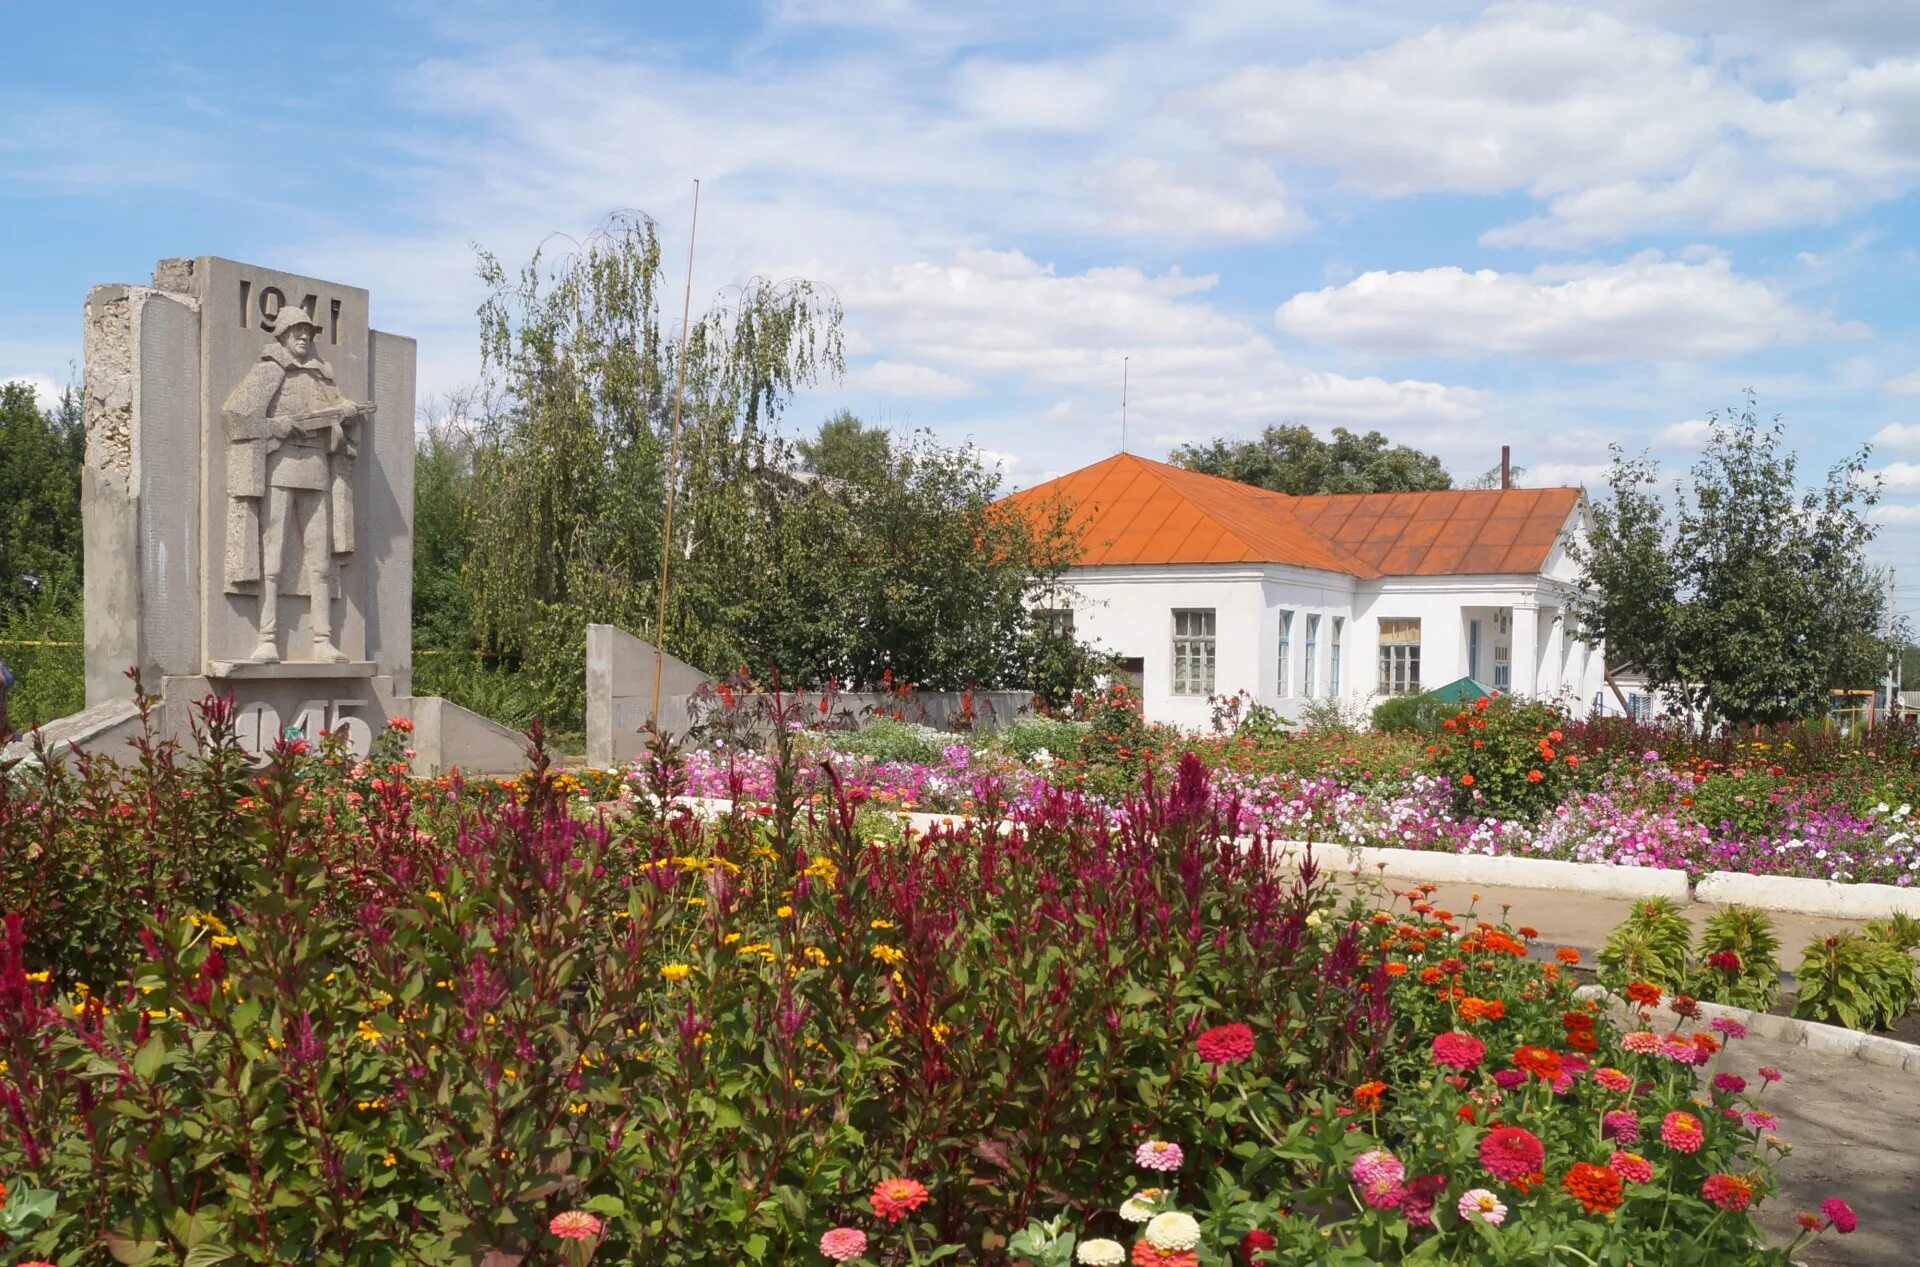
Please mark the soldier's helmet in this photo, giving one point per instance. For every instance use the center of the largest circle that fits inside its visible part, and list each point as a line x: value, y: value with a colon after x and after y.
x: 290, y: 317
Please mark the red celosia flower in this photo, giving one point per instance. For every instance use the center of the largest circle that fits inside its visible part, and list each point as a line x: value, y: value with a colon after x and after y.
x: 1594, y: 1187
x: 1225, y: 1044
x: 1508, y: 1152
x: 1730, y: 1192
x: 1840, y: 1215
x: 1255, y: 1241
x: 893, y: 1199
x: 1457, y: 1050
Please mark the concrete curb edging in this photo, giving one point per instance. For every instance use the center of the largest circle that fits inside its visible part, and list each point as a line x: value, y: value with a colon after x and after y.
x: 1827, y: 1040
x: 1719, y: 888
x: 1806, y: 897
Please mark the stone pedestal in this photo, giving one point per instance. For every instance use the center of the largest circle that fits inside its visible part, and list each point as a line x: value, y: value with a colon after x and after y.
x: 247, y: 498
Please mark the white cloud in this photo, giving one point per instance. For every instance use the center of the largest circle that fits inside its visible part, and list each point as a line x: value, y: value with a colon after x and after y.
x: 1245, y: 202
x: 46, y: 392
x: 1003, y: 314
x: 1619, y: 126
x: 1647, y: 307
x: 897, y: 378
x: 1901, y: 437
x: 1563, y: 474
x: 1907, y: 384
x: 1689, y: 435
x: 1895, y: 513
x: 1898, y: 477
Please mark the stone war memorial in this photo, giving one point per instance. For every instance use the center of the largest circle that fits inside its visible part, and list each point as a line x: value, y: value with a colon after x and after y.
x: 247, y: 499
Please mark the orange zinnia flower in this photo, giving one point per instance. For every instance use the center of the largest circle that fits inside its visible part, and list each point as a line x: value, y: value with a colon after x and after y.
x: 1366, y: 1096
x: 1567, y: 955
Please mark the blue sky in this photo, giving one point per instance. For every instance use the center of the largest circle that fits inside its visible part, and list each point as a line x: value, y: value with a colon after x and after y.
x: 1554, y: 226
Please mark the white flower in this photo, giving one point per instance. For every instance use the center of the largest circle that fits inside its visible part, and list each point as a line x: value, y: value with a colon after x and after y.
x: 1139, y: 1207
x: 1173, y: 1230
x: 1100, y: 1252
x: 1313, y: 920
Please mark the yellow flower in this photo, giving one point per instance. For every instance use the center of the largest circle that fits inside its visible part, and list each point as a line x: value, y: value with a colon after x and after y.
x: 390, y: 1159
x: 696, y: 901
x: 940, y: 1031
x: 676, y: 971
x: 224, y: 942
x: 729, y: 939
x: 509, y: 1072
x: 435, y: 895
x: 367, y: 1032
x: 785, y: 912
x: 577, y: 1107
x: 816, y: 956
x: 881, y: 923
x: 888, y: 955
x: 40, y: 978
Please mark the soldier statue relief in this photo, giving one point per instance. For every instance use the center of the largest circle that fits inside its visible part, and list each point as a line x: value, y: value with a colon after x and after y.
x: 290, y: 454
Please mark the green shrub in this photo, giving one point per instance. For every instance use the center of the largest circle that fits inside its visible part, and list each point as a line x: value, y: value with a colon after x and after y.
x: 1902, y: 931
x: 52, y: 680
x: 890, y: 740
x: 1649, y: 945
x: 1052, y: 735
x: 1752, y: 977
x: 1419, y: 713
x: 1507, y: 758
x: 1856, y: 980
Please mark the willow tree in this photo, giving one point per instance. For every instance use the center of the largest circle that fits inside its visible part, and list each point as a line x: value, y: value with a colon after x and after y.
x: 571, y: 469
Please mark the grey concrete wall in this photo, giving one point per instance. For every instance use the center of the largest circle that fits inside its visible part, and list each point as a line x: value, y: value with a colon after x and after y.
x: 447, y: 737
x: 386, y: 498
x: 620, y: 694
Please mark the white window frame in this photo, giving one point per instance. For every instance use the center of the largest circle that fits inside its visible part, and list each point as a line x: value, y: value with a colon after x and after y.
x: 1333, y: 672
x: 1311, y: 648
x: 1284, y: 679
x: 1502, y: 668
x: 1400, y: 655
x: 1195, y: 633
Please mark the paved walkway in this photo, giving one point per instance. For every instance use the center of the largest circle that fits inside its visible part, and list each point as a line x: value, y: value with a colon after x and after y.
x: 1854, y: 1126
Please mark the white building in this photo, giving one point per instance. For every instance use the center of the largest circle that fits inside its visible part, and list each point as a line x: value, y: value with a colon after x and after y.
x: 1203, y: 586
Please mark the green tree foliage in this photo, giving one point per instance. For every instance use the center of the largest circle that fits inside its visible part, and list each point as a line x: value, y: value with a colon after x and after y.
x: 897, y: 564
x: 40, y: 454
x: 1745, y: 596
x: 847, y: 448
x: 1291, y: 459
x: 906, y: 568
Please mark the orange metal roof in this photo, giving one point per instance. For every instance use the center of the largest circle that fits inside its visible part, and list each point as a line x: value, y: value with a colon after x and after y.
x: 1130, y: 510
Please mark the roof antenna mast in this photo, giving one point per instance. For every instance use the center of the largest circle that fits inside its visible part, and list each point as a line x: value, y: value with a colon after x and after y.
x: 1123, y: 402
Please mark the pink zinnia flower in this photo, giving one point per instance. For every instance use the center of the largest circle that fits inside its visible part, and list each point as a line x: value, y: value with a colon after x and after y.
x: 1508, y: 1152
x: 1613, y: 1080
x: 1769, y: 1074
x: 1479, y: 1204
x: 1641, y: 1041
x: 574, y: 1225
x: 1158, y: 1154
x: 843, y: 1243
x: 1508, y: 1079
x: 1681, y: 1132
x: 1383, y: 1196
x: 1631, y: 1167
x: 1840, y: 1215
x: 1760, y: 1121
x: 1731, y: 1083
x: 1728, y: 1026
x: 1377, y: 1167
x: 1457, y: 1050
x: 1620, y: 1125
x: 1225, y: 1044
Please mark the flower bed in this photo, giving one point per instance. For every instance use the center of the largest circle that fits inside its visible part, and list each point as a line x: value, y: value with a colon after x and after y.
x: 328, y: 1013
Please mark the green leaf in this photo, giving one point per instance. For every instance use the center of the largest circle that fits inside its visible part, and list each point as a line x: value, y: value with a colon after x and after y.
x: 206, y: 1256
x: 125, y: 1249
x: 152, y: 1054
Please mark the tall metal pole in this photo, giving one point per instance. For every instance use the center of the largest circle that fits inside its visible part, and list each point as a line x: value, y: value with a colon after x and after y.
x: 1124, y: 361
x: 673, y: 469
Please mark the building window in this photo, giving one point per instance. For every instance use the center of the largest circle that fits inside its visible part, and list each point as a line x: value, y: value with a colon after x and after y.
x: 1056, y: 623
x: 1502, y: 671
x: 1193, y: 651
x: 1286, y: 654
x: 1313, y: 654
x: 1503, y: 622
x: 1333, y: 672
x: 1473, y: 649
x: 1400, y: 656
